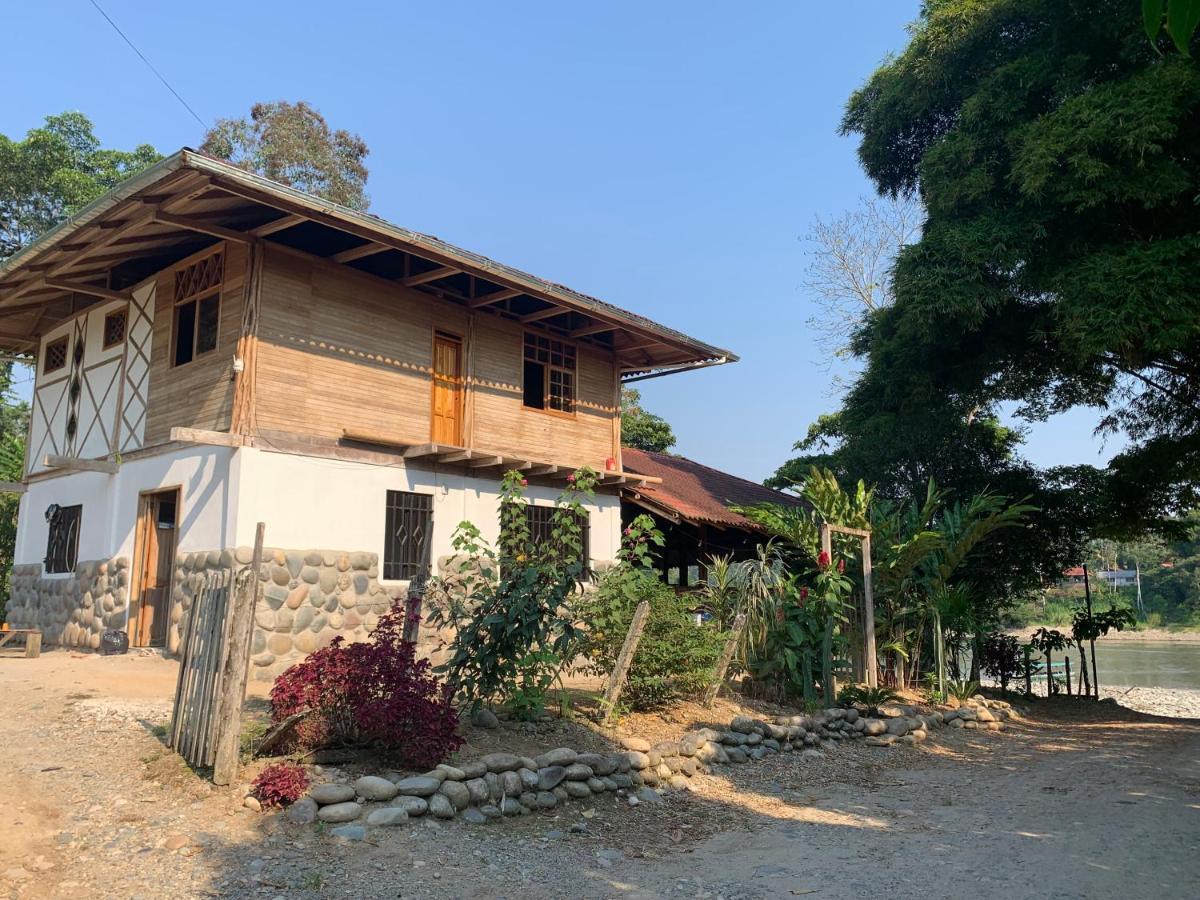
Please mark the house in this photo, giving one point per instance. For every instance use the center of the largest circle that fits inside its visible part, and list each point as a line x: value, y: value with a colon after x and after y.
x: 691, y: 504
x: 214, y: 350
x: 1119, y: 577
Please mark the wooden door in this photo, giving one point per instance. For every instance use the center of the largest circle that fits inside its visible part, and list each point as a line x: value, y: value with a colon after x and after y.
x: 447, y: 390
x: 157, y: 530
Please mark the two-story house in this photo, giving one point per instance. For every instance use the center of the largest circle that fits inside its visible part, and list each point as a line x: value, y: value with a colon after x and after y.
x: 215, y: 350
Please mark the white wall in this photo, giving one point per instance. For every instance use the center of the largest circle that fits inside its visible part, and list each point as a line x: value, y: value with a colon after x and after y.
x: 310, y: 503
x: 208, y: 477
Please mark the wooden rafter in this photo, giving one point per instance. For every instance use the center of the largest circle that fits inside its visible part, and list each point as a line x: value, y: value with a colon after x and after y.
x: 193, y: 224
x: 94, y: 290
x: 494, y: 297
x: 548, y: 313
x: 108, y: 466
x: 594, y: 328
x: 431, y: 275
x: 281, y: 224
x: 359, y: 252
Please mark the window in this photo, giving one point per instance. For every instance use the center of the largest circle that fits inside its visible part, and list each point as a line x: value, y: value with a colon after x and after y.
x: 549, y: 374
x: 56, y: 355
x: 62, y: 545
x: 407, y: 527
x: 540, y: 520
x: 114, y: 328
x: 197, y: 308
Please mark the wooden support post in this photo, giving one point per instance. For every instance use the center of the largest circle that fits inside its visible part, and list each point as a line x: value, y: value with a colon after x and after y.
x: 827, y: 641
x: 869, y: 617
x: 239, y: 632
x: 1028, y: 671
x: 33, y: 645
x: 625, y: 659
x: 731, y: 643
x: 1087, y: 593
x: 1067, y: 663
x: 412, y: 607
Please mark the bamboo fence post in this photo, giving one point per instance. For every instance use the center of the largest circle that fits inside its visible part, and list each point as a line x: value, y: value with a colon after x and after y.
x: 617, y: 680
x: 827, y: 639
x: 236, y: 664
x: 872, y: 663
x: 731, y: 643
x: 1087, y: 592
x: 1028, y: 672
x: 1067, y: 663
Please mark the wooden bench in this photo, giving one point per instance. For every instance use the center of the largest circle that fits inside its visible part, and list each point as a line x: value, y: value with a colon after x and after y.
x: 33, y: 640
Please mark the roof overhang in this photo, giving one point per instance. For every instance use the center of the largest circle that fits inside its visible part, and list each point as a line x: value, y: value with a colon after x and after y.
x: 188, y: 201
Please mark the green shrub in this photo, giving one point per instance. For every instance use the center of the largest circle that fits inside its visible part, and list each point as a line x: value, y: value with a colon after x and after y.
x: 675, y: 658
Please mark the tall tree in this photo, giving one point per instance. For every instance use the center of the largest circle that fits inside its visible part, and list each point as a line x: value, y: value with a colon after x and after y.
x: 642, y: 429
x: 1054, y: 151
x: 293, y: 144
x: 14, y: 414
x: 57, y: 169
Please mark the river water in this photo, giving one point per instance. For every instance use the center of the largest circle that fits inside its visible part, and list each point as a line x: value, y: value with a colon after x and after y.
x: 1156, y: 664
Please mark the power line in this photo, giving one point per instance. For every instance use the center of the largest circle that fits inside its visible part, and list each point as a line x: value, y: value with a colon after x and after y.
x: 149, y: 64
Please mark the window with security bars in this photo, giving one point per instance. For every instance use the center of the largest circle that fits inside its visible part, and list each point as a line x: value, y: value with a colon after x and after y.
x: 56, y: 356
x: 114, y: 328
x: 62, y: 545
x: 549, y: 373
x: 408, y: 528
x: 540, y: 520
x: 197, y: 308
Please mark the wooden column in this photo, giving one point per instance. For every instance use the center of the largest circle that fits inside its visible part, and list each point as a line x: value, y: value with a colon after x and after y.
x: 242, y: 417
x: 731, y: 643
x: 240, y: 631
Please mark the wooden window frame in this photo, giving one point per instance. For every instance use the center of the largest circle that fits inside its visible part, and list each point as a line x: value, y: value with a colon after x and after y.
x: 547, y: 368
x: 60, y: 548
x: 403, y: 566
x: 197, y: 298
x: 107, y: 344
x: 66, y: 355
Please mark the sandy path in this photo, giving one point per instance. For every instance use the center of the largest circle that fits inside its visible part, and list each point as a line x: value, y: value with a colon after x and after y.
x: 1076, y: 802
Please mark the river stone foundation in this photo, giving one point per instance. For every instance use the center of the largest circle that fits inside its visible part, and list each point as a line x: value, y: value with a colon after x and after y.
x: 72, y: 609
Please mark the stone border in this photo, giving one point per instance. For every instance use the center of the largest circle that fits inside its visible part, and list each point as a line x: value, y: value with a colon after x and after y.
x: 72, y: 609
x: 503, y: 785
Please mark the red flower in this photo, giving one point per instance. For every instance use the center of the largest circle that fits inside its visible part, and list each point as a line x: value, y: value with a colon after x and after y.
x: 823, y: 559
x: 524, y: 482
x: 803, y: 594
x: 570, y: 479
x: 841, y: 567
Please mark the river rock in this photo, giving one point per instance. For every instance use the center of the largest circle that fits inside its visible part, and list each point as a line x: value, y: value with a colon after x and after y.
x: 485, y: 718
x: 511, y: 784
x: 456, y: 792
x: 874, y: 727
x: 550, y: 777
x: 529, y: 778
x: 560, y: 756
x: 325, y: 794
x: 478, y: 790
x: 577, y: 789
x: 349, y: 833
x: 546, y: 800
x: 599, y: 763
x: 641, y: 745
x: 501, y: 762
x: 472, y: 816
x: 340, y: 812
x: 303, y: 811
x: 388, y: 815
x: 440, y: 807
x: 578, y: 772
x: 418, y: 786
x: 372, y: 787
x: 414, y: 806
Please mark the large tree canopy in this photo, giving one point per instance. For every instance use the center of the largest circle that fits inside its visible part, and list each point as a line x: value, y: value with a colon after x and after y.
x: 293, y: 144
x: 53, y: 172
x: 1055, y: 153
x: 641, y: 428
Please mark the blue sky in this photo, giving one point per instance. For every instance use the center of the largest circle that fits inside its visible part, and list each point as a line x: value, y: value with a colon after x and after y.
x: 667, y: 157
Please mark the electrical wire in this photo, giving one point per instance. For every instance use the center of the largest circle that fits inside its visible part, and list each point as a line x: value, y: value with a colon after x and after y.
x: 149, y: 64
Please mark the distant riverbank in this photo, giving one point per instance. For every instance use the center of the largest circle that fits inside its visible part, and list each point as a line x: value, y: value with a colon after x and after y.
x: 1178, y: 703
x: 1145, y: 634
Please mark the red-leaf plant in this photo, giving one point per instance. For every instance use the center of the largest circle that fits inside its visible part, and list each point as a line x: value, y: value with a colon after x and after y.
x: 281, y: 784
x: 376, y: 693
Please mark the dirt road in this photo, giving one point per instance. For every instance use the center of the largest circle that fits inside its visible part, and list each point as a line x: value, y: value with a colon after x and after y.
x: 1074, y: 802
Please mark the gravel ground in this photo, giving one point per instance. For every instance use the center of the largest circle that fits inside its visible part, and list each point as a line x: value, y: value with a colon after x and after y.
x: 96, y: 807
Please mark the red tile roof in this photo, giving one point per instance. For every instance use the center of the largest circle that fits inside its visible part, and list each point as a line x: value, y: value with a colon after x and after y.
x: 697, y: 492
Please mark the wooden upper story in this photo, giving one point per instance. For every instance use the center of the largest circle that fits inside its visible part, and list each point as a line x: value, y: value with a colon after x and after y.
x: 253, y: 309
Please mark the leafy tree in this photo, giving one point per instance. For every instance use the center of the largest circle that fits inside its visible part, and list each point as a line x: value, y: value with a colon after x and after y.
x: 1054, y: 152
x: 292, y: 143
x: 55, y: 171
x: 14, y: 414
x: 642, y: 429
x: 1181, y: 19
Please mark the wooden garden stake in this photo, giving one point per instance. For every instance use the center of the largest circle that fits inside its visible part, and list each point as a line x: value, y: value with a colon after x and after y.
x: 1028, y: 671
x: 1067, y: 661
x: 726, y: 658
x: 617, y: 681
x: 236, y: 667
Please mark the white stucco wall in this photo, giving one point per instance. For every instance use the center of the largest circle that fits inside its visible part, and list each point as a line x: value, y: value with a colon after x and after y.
x: 208, y: 477
x: 314, y: 503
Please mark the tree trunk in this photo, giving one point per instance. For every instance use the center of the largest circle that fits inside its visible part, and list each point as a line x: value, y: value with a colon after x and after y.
x: 827, y: 664
x: 1085, y: 687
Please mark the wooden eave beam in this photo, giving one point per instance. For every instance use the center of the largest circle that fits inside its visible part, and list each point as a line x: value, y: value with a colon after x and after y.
x: 457, y: 456
x: 107, y: 466
x: 12, y: 487
x: 536, y: 471
x: 281, y: 224
x: 422, y: 450
x: 548, y: 313
x: 93, y: 290
x: 191, y: 224
x: 359, y: 252
x: 431, y: 275
x: 486, y: 462
x: 494, y: 297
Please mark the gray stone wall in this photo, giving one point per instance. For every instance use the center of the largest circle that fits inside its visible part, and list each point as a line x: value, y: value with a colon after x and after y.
x: 309, y: 597
x: 71, y: 610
